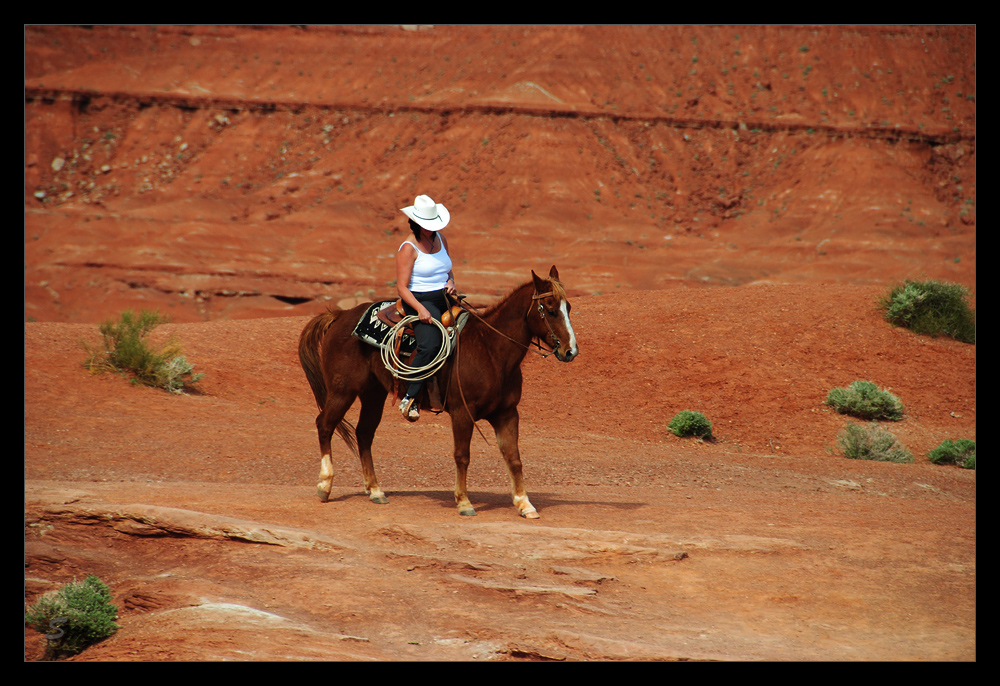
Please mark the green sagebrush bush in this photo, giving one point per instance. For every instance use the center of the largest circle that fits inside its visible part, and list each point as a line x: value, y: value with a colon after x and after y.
x: 126, y: 350
x: 864, y: 400
x: 961, y: 452
x: 75, y: 616
x: 688, y: 423
x: 872, y: 442
x: 932, y: 308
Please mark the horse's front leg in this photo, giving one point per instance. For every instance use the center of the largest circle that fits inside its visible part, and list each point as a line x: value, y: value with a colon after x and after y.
x: 372, y: 404
x: 461, y: 429
x: 506, y: 426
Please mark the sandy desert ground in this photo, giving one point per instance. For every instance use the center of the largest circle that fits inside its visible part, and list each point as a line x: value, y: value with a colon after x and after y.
x: 725, y: 204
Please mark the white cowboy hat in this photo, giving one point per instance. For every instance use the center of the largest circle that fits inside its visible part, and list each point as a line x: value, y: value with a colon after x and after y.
x: 427, y: 213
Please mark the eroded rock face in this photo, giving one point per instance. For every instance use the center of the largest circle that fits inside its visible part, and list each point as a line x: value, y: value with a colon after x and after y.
x: 233, y: 172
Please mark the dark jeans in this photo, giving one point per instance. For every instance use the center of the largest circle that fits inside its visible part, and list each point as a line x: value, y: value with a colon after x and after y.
x: 428, y: 335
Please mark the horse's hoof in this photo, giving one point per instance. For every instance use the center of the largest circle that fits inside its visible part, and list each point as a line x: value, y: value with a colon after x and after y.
x: 323, y: 495
x: 530, y: 514
x: 379, y: 499
x: 468, y: 512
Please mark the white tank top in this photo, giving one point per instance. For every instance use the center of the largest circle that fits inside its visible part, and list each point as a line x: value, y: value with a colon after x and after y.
x: 430, y: 271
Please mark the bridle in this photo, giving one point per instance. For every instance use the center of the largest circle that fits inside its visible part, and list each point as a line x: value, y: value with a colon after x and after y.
x: 541, y: 313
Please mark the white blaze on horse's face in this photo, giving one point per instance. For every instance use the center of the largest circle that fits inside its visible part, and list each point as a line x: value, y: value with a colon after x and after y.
x: 571, y: 349
x: 562, y: 338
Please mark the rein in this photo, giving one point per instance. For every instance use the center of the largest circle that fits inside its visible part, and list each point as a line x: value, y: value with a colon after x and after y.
x: 541, y: 313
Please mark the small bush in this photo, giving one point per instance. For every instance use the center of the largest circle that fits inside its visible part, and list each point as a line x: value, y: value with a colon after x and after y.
x: 932, y: 308
x: 74, y: 617
x: 864, y: 400
x: 872, y: 442
x: 688, y: 423
x: 961, y: 452
x: 125, y: 350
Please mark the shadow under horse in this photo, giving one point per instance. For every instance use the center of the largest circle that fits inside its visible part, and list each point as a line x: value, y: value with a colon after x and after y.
x: 481, y: 380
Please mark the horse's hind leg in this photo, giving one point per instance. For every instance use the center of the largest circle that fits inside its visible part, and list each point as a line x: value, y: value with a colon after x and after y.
x: 372, y: 405
x: 506, y: 426
x: 326, y: 423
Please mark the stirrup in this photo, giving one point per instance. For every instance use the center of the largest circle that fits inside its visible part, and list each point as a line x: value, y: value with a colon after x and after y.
x: 409, y: 409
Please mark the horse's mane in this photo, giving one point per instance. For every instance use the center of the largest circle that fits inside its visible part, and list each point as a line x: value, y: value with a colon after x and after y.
x: 557, y: 289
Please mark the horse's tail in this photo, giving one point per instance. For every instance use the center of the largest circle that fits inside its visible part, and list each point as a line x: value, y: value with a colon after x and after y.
x: 310, y: 342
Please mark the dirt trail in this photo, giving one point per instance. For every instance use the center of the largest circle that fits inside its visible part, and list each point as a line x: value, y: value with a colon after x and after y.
x: 725, y: 205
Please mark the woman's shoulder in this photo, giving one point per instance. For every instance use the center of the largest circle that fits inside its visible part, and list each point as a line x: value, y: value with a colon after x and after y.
x: 408, y: 242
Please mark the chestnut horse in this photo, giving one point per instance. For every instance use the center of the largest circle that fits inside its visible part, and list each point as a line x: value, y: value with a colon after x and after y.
x: 481, y: 380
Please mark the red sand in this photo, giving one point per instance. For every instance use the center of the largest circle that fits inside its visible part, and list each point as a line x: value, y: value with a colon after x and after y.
x: 725, y: 205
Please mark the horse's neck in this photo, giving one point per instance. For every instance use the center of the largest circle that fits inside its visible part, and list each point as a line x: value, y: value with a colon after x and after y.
x: 509, y: 316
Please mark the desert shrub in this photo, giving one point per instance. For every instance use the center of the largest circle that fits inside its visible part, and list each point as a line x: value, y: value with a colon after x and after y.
x: 688, y: 423
x: 961, y: 452
x: 126, y: 350
x: 864, y: 400
x: 75, y: 616
x: 872, y: 442
x: 932, y: 308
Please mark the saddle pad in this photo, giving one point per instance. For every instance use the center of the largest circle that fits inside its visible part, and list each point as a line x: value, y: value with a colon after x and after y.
x: 374, y: 331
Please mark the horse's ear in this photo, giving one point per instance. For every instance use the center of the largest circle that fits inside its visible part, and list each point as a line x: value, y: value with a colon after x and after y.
x: 554, y: 273
x: 539, y: 283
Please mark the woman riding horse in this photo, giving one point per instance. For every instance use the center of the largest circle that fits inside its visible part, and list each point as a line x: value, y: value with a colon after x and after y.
x: 482, y: 380
x: 423, y: 279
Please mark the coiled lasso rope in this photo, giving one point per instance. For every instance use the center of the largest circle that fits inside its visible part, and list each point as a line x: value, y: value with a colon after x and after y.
x: 403, y: 371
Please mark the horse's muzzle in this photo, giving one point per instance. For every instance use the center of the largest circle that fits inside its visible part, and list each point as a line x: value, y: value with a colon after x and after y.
x: 568, y: 356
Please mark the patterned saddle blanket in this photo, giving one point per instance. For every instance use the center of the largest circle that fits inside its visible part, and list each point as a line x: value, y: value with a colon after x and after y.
x: 374, y: 330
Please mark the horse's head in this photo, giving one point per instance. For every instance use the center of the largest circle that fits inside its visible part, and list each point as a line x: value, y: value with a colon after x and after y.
x: 549, y: 316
